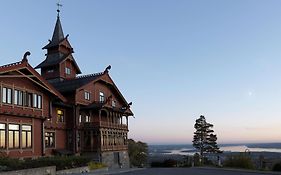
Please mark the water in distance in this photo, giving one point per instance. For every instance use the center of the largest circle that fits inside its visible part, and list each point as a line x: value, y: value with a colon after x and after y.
x: 189, y: 150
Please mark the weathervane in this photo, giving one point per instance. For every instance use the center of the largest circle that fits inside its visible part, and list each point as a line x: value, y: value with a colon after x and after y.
x: 58, y: 10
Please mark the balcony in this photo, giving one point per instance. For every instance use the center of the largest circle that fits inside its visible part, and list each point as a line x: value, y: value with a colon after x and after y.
x: 102, y: 124
x: 106, y: 148
x: 114, y: 147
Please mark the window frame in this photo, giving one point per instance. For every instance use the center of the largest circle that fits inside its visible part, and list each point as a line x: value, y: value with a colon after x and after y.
x: 48, y: 135
x: 113, y: 103
x: 18, y: 97
x: 87, y: 95
x: 7, y: 95
x: 102, y: 97
x: 27, y: 141
x: 61, y: 116
x: 67, y: 71
x: 5, y: 136
x: 12, y: 139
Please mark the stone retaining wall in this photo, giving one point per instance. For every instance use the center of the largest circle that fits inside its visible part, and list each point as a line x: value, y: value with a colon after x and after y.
x: 109, y: 159
x: 74, y: 170
x: 50, y: 170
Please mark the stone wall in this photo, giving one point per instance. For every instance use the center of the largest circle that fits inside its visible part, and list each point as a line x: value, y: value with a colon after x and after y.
x: 118, y: 159
x: 74, y: 170
x: 51, y: 170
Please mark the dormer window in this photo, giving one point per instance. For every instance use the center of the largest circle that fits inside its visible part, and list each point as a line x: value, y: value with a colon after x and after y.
x: 102, y: 97
x: 67, y: 71
x: 87, y: 95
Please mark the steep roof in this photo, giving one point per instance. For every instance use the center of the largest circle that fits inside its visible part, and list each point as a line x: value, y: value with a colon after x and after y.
x: 22, y: 67
x: 55, y: 56
x: 58, y: 35
x: 52, y: 59
x: 69, y: 85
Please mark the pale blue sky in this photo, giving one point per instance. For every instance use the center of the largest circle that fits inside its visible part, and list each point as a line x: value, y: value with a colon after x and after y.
x: 175, y: 59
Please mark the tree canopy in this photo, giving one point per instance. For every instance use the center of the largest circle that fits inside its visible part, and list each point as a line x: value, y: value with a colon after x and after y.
x: 138, y: 152
x: 204, y: 139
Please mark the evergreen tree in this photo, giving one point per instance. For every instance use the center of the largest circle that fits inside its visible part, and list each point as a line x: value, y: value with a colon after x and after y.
x: 204, y: 140
x: 138, y: 153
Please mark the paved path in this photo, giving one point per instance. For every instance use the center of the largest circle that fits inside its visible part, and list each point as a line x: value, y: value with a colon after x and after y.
x: 191, y: 171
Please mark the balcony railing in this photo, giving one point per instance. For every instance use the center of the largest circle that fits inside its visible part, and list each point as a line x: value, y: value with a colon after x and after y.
x: 102, y: 124
x: 106, y: 148
x: 114, y: 147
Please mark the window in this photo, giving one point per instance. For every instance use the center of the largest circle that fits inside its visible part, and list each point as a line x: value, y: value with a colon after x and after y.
x: 87, y: 118
x: 34, y: 100
x: 49, y: 139
x: 60, y: 114
x: 113, y: 103
x: 102, y: 98
x: 2, y: 135
x: 26, y: 136
x: 87, y: 95
x: 7, y: 95
x: 80, y: 118
x: 67, y: 71
x: 4, y: 95
x: 14, y: 138
x: 37, y: 101
x: 28, y: 99
x: 18, y: 97
x: 50, y: 70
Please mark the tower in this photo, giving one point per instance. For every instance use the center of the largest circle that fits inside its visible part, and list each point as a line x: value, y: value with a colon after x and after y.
x: 59, y: 63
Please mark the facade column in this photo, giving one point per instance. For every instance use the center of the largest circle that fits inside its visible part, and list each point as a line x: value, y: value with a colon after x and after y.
x: 99, y: 115
x: 75, y: 128
x: 102, y: 138
x: 92, y: 140
x: 91, y: 116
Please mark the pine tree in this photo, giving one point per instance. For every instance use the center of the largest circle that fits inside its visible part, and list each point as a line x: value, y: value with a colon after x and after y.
x: 204, y: 140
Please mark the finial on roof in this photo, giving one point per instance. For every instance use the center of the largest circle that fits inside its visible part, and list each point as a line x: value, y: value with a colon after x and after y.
x: 24, y: 58
x: 58, y: 10
x: 107, y: 69
x: 127, y: 106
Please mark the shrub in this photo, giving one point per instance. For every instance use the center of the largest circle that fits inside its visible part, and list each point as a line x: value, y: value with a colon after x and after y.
x: 277, y: 167
x: 170, y: 163
x: 239, y: 161
x: 138, y: 153
x: 11, y: 164
x: 156, y: 164
x: 95, y: 165
x: 165, y: 163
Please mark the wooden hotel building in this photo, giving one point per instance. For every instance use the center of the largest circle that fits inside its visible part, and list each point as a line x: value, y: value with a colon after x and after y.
x: 59, y: 112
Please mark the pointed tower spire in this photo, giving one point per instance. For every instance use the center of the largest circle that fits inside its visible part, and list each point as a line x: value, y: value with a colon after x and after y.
x: 59, y: 63
x: 58, y: 32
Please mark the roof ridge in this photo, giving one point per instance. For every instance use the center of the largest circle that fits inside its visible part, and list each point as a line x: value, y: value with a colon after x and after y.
x: 11, y: 64
x: 89, y: 75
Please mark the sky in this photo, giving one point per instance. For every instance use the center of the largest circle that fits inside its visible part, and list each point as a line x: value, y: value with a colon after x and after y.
x: 174, y: 59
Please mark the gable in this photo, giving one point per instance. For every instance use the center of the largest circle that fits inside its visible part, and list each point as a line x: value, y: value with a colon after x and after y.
x: 70, y: 60
x: 23, y: 70
x: 105, y: 85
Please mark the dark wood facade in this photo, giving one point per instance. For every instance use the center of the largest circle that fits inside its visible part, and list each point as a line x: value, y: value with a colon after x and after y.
x: 59, y: 112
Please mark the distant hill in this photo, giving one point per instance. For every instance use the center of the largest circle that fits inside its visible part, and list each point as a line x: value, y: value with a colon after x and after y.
x: 264, y: 145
